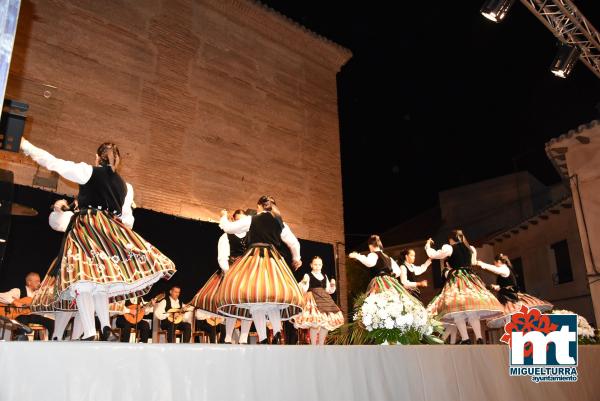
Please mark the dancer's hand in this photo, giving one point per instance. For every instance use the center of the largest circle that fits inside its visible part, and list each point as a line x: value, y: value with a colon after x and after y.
x: 332, y: 281
x: 422, y: 283
x: 296, y: 264
x: 429, y: 242
x: 61, y: 205
x: 224, y: 213
x: 353, y: 255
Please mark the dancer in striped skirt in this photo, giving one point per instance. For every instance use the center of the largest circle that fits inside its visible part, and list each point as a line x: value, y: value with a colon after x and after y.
x: 507, y: 291
x: 260, y: 284
x: 230, y: 248
x: 464, y: 296
x: 101, y: 258
x: 384, y: 269
x: 320, y: 314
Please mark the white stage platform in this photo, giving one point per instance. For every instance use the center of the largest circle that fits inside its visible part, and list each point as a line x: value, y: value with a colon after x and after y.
x: 78, y: 371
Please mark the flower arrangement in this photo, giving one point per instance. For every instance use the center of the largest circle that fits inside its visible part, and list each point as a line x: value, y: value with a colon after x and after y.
x: 390, y: 317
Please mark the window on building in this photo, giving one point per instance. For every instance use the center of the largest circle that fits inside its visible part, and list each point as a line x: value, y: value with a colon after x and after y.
x: 564, y: 272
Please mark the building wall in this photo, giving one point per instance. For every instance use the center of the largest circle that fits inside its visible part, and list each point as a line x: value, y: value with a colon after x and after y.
x: 539, y: 264
x: 212, y: 103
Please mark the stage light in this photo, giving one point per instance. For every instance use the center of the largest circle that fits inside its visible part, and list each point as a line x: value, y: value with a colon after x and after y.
x: 496, y: 10
x: 565, y: 60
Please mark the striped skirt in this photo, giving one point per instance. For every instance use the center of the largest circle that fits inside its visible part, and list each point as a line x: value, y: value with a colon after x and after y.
x: 319, y: 312
x: 512, y: 307
x: 464, y: 292
x: 206, y: 297
x: 388, y: 283
x: 260, y: 278
x: 99, y: 253
x: 45, y: 300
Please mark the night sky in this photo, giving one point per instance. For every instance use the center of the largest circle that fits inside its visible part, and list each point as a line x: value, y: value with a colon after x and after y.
x: 436, y: 96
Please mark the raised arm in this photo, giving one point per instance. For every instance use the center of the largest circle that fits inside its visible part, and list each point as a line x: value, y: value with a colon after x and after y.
x: 443, y: 253
x: 240, y: 226
x: 502, y: 270
x: 79, y: 173
x: 418, y: 270
x: 368, y: 261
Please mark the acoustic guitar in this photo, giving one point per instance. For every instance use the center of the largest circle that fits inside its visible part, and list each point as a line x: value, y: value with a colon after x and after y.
x: 175, y: 315
x: 215, y: 321
x: 11, y: 311
x: 136, y: 311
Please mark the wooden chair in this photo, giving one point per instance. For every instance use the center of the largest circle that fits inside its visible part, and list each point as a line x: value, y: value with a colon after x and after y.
x: 164, y: 334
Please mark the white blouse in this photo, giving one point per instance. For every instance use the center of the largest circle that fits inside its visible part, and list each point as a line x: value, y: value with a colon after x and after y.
x: 79, y: 173
x: 446, y: 251
x: 242, y: 226
x: 224, y: 250
x: 501, y: 270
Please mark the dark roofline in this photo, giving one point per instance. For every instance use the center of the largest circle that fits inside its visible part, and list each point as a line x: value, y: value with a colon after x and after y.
x: 544, y: 214
x: 557, y: 154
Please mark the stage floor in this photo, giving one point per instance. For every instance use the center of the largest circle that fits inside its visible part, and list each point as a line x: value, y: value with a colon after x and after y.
x: 43, y: 371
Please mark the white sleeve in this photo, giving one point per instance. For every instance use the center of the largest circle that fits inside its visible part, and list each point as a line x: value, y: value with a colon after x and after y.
x: 304, y: 285
x: 79, y: 173
x: 223, y: 252
x: 395, y: 268
x: 404, y: 279
x: 159, y: 312
x: 10, y: 296
x: 418, y: 270
x: 59, y: 220
x: 368, y: 261
x: 503, y: 270
x: 330, y: 289
x: 473, y: 255
x: 240, y: 226
x: 443, y: 253
x: 291, y: 241
x: 127, y: 211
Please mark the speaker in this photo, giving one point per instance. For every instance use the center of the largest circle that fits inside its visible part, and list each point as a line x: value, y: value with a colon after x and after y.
x: 12, y: 124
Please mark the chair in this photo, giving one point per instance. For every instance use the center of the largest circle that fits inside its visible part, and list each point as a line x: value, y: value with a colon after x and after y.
x: 39, y: 331
x: 164, y: 334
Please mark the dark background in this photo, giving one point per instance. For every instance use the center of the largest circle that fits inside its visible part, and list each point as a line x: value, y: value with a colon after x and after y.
x: 436, y: 96
x: 191, y: 244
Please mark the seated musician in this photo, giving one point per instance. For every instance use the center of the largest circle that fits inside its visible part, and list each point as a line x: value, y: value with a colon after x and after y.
x: 126, y: 325
x: 21, y: 297
x: 161, y: 312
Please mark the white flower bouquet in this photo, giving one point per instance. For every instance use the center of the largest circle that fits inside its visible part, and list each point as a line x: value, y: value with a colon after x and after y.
x: 390, y: 317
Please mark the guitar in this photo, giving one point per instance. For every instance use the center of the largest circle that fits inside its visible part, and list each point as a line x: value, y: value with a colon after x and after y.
x: 175, y: 315
x: 215, y: 321
x: 11, y: 310
x: 136, y: 311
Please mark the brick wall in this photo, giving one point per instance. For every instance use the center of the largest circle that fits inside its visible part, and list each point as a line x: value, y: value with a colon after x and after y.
x: 212, y: 103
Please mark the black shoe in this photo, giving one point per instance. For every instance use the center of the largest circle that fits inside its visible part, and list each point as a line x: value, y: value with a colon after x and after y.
x: 465, y: 342
x: 105, y: 333
x: 265, y: 341
x: 276, y: 340
x: 479, y: 341
x: 54, y: 338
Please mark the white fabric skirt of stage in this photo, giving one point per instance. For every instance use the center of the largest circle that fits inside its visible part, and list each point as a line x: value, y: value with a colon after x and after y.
x: 80, y: 371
